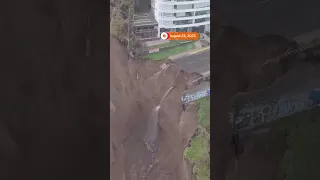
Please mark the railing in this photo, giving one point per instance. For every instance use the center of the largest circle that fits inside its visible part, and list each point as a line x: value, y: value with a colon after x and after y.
x: 182, y: 22
x: 183, y: 0
x: 190, y: 97
x: 176, y: 0
x: 199, y: 13
x: 201, y: 20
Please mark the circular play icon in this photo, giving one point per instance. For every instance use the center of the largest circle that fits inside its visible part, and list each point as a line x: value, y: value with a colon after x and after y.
x: 164, y: 36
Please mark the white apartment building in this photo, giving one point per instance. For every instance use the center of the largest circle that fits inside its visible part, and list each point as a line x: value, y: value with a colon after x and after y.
x: 181, y: 15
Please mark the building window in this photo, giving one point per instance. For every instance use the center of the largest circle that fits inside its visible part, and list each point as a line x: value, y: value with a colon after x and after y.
x: 199, y: 13
x: 168, y: 14
x: 201, y: 20
x: 183, y: 14
x: 182, y: 30
x: 202, y: 5
x: 188, y: 14
x: 182, y: 22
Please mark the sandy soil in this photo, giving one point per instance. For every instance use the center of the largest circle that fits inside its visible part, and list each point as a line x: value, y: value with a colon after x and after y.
x: 134, y: 98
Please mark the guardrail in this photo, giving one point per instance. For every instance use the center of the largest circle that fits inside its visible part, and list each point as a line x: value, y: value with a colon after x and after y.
x: 190, y: 97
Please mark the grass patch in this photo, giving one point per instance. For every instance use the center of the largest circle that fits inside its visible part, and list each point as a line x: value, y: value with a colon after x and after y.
x: 119, y: 15
x: 168, y: 44
x: 172, y: 51
x: 301, y: 160
x: 198, y: 153
x: 204, y: 113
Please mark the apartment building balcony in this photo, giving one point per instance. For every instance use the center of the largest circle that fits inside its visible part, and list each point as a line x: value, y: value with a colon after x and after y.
x: 142, y: 30
x: 180, y: 2
x: 181, y: 25
x: 200, y: 13
x: 184, y: 0
x: 201, y: 20
x: 186, y: 14
x: 182, y: 22
x: 172, y: 10
x: 186, y: 17
x: 176, y: 15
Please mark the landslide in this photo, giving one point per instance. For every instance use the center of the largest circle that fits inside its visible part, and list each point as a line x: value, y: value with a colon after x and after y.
x: 136, y: 88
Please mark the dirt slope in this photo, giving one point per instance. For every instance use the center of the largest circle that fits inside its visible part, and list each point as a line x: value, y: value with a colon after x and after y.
x: 134, y: 100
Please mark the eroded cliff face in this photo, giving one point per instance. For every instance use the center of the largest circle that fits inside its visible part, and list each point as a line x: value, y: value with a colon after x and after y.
x: 135, y: 97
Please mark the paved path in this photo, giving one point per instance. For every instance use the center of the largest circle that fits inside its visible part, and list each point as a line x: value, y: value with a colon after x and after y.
x: 198, y: 62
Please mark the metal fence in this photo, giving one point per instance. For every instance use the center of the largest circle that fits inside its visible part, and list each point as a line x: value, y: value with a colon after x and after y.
x: 188, y: 98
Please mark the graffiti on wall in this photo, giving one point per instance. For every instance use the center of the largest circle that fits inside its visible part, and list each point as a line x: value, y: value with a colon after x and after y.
x: 187, y: 98
x: 249, y: 116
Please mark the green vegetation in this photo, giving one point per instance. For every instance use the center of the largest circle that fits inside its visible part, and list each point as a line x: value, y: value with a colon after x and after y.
x: 119, y: 19
x: 168, y: 44
x: 198, y: 153
x: 117, y: 24
x: 204, y: 113
x: 301, y: 160
x: 172, y: 51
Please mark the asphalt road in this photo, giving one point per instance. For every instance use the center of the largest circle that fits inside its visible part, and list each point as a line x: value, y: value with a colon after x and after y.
x: 257, y: 17
x: 198, y: 63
